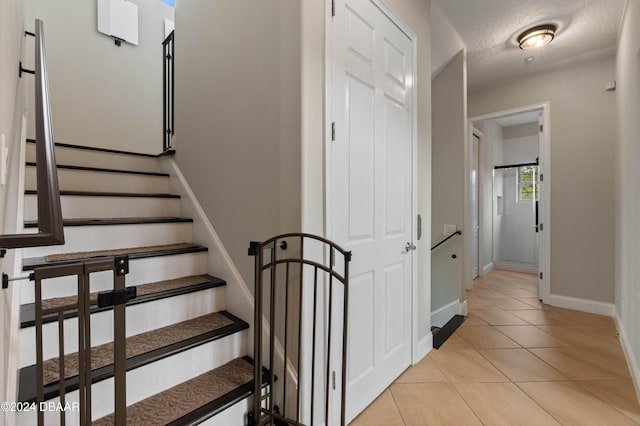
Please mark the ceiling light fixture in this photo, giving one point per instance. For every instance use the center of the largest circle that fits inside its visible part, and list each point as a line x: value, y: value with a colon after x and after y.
x: 537, y: 36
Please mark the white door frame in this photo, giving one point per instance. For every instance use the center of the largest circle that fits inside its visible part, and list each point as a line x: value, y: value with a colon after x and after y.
x: 468, y: 285
x: 545, y: 210
x: 475, y: 133
x: 416, y: 352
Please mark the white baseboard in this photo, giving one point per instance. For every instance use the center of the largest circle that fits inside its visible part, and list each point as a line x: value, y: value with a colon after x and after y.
x: 423, y: 347
x: 628, y: 352
x: 487, y: 268
x: 585, y: 305
x: 440, y: 316
x: 514, y: 267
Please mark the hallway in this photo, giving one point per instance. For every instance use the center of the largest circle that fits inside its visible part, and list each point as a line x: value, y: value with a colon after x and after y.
x: 515, y: 361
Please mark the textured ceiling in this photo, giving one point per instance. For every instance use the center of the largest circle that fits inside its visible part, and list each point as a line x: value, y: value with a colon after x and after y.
x: 489, y: 29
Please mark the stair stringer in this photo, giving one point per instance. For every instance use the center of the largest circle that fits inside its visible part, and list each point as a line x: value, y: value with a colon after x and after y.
x: 239, y: 297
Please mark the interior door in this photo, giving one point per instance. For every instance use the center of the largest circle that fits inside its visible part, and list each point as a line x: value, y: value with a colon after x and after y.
x: 475, y: 207
x: 371, y: 191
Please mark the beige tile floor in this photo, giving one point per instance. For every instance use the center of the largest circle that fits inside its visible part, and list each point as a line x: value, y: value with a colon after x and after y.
x: 515, y: 361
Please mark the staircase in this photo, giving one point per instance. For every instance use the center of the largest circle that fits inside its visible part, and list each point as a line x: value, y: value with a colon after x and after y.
x: 186, y: 355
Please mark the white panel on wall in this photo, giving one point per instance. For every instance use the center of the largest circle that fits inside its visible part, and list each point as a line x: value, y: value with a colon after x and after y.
x: 118, y: 18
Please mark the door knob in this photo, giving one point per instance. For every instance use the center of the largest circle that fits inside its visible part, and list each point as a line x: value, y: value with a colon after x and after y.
x: 409, y: 247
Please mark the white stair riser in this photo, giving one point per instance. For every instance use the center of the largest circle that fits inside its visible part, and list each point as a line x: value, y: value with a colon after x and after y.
x: 108, y: 207
x: 153, y: 378
x: 106, y: 160
x: 90, y: 238
x: 140, y: 319
x: 85, y: 180
x: 141, y: 271
x: 236, y: 415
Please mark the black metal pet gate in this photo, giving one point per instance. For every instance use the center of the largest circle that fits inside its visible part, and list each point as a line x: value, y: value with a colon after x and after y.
x: 301, y: 294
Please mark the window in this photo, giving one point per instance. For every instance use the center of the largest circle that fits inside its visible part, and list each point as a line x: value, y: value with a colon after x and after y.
x: 528, y: 183
x: 171, y: 3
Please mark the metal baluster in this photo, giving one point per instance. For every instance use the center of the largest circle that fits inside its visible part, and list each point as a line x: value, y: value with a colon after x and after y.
x: 272, y: 327
x: 286, y: 333
x: 300, y: 326
x: 120, y: 355
x: 345, y: 328
x: 39, y: 355
x: 328, y: 375
x: 83, y: 386
x: 313, y: 344
x: 61, y: 368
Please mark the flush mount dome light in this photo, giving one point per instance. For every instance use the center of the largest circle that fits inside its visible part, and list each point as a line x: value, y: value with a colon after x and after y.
x: 537, y: 37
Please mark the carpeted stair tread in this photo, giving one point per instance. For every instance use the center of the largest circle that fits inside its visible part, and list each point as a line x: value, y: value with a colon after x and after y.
x: 145, y: 293
x: 113, y: 221
x: 141, y: 290
x: 133, y: 253
x: 114, y: 252
x: 183, y: 400
x: 138, y: 344
x: 142, y: 349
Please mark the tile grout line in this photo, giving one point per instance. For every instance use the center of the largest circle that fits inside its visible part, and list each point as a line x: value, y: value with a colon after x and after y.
x: 504, y: 374
x: 393, y: 397
x: 571, y: 380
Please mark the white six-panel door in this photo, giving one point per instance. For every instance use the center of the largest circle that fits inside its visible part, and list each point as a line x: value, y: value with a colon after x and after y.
x: 370, y: 194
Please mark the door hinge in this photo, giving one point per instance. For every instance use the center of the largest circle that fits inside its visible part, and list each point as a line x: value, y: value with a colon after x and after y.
x: 541, y: 127
x: 541, y: 177
x: 542, y: 227
x: 333, y: 8
x: 333, y: 376
x: 333, y: 131
x: 540, y: 275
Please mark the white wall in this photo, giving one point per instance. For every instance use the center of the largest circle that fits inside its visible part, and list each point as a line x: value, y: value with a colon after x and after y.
x: 627, y: 219
x: 102, y: 95
x: 258, y: 124
x: 11, y: 110
x: 446, y: 42
x: 11, y: 87
x: 238, y: 122
x: 582, y: 167
x: 448, y: 201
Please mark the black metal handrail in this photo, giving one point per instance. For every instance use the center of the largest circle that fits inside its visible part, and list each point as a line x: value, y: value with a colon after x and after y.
x: 168, y: 91
x: 450, y: 236
x: 50, y: 227
x: 279, y: 274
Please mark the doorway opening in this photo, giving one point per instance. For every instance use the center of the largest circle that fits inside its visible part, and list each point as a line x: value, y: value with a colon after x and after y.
x: 508, y: 205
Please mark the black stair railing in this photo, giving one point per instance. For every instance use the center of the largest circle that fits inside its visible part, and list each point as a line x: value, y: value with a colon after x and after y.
x: 50, y: 227
x: 450, y: 236
x: 168, y: 91
x: 299, y: 298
